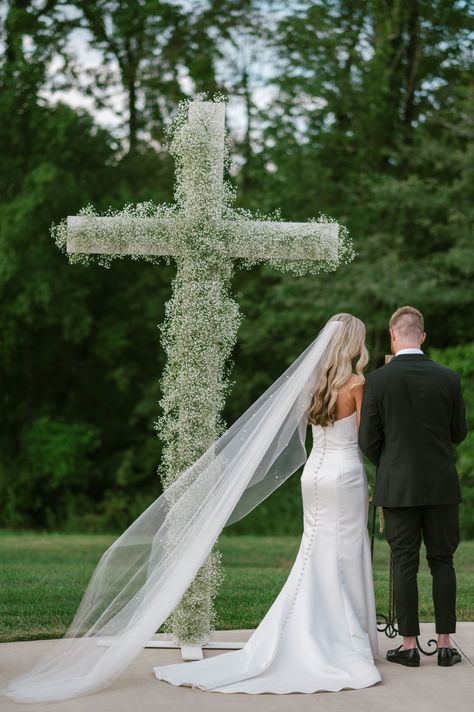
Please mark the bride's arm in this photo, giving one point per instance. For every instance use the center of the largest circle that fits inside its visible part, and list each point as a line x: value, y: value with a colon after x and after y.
x: 357, y: 391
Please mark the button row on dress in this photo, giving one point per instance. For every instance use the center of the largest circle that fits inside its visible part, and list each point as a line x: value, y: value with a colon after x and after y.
x: 308, y: 548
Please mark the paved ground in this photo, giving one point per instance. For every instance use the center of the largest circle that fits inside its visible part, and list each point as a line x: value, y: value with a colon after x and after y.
x: 427, y: 689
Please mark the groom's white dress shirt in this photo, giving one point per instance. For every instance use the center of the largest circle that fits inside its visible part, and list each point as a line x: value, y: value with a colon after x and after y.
x: 409, y: 351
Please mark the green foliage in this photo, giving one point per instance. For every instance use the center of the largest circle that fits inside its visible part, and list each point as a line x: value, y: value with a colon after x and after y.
x: 50, y: 486
x: 371, y: 121
x: 62, y: 359
x: 461, y: 359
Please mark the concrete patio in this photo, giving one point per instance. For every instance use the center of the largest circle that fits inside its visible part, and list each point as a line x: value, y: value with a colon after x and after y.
x: 428, y: 688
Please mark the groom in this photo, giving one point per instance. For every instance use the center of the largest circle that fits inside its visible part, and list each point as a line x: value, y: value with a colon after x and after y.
x: 412, y: 412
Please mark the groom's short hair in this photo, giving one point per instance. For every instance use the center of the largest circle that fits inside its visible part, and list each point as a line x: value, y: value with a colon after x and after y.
x: 407, y: 321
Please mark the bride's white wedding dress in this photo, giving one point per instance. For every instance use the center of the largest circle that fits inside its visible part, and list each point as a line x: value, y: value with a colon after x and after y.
x: 320, y: 633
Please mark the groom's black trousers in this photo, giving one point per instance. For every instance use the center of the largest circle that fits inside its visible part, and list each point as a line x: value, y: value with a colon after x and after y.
x: 404, y: 527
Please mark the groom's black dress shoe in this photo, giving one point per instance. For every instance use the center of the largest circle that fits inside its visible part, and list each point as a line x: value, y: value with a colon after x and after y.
x: 448, y: 657
x: 410, y: 658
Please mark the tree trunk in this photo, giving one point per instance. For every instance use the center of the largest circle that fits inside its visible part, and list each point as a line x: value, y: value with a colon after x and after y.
x: 132, y: 116
x: 413, y: 58
x: 14, y: 31
x: 247, y: 144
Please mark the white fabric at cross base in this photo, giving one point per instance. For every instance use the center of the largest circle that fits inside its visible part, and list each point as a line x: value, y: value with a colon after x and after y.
x: 143, y: 575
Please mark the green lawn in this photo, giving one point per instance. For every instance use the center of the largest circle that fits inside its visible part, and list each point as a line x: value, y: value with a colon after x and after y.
x: 44, y: 576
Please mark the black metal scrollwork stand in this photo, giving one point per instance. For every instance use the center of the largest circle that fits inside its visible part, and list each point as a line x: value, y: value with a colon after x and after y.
x: 388, y: 623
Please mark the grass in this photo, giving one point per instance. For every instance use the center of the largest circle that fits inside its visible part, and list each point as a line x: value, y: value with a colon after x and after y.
x: 45, y: 575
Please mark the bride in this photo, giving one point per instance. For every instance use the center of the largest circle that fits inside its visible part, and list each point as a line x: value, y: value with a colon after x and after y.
x: 320, y: 633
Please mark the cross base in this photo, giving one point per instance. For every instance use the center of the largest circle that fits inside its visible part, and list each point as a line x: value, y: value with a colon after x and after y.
x: 195, y: 652
x: 188, y: 652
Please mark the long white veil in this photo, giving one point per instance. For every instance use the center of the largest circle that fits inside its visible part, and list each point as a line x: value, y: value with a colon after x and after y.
x: 142, y: 577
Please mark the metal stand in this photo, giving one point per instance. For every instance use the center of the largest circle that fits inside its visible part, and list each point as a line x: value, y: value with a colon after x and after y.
x: 387, y: 623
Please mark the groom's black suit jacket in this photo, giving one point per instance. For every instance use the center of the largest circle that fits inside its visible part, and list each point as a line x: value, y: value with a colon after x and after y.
x: 412, y: 412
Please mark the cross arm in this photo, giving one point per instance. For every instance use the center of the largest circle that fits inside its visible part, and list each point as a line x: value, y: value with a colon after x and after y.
x: 283, y: 240
x: 91, y: 234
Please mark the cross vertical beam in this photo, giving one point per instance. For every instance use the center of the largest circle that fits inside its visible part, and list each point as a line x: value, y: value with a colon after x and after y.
x: 204, y: 234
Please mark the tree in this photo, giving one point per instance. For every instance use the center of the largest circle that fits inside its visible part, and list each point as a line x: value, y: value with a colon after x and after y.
x: 156, y: 50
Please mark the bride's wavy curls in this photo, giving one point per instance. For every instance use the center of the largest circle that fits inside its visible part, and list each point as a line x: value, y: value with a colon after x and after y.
x: 336, y: 369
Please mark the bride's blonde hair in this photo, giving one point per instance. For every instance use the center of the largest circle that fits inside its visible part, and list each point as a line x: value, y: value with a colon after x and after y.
x: 336, y: 368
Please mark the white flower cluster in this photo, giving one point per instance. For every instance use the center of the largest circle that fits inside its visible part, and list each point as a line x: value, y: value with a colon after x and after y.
x: 205, y: 234
x: 198, y: 334
x: 194, y: 619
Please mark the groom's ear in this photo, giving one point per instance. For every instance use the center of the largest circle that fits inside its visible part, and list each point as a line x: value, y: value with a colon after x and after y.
x: 392, y: 337
x: 423, y: 337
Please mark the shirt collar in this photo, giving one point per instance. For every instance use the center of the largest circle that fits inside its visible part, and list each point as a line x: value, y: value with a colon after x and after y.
x: 409, y: 351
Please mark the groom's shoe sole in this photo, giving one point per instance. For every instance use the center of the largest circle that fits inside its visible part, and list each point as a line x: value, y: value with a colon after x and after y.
x: 409, y: 658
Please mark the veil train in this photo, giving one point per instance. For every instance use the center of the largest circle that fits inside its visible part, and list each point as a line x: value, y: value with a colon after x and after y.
x: 143, y: 575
